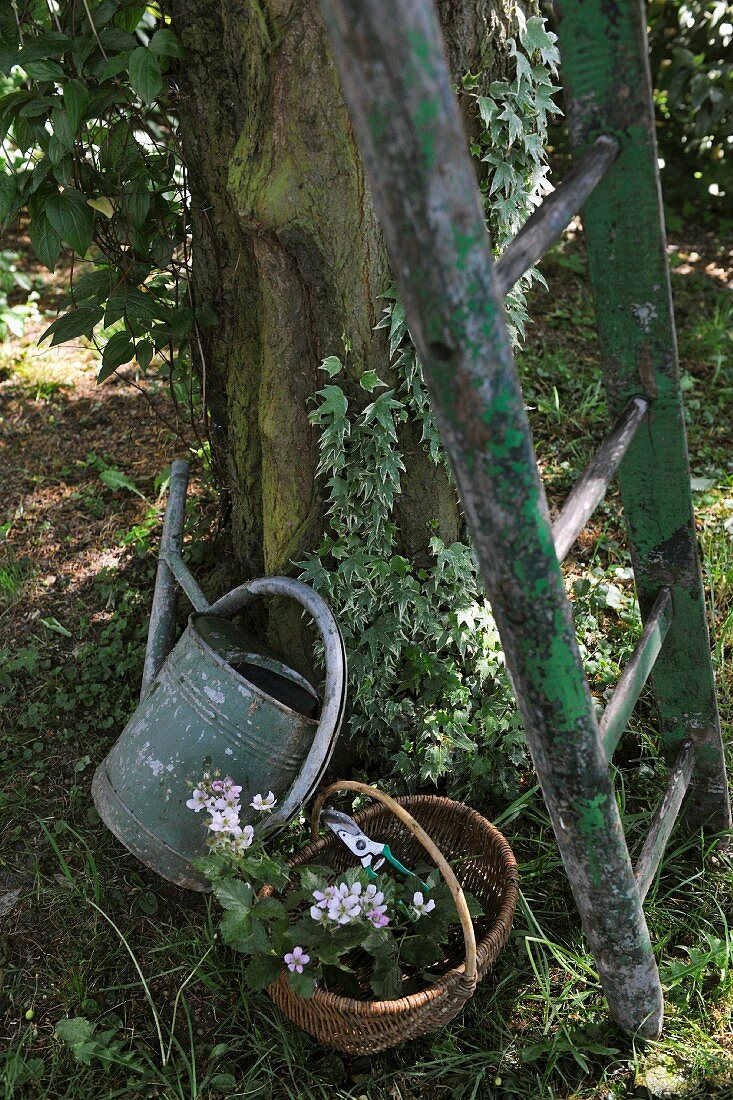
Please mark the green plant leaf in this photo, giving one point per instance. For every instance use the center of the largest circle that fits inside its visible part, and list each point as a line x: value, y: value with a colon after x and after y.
x: 262, y: 971
x: 165, y: 43
x: 241, y: 932
x: 63, y: 129
x: 332, y: 365
x: 103, y: 205
x: 77, y: 322
x: 232, y: 893
x: 137, y: 204
x: 302, y: 984
x: 45, y: 240
x: 370, y: 380
x: 55, y: 626
x: 43, y: 70
x: 421, y: 951
x: 119, y: 349
x: 386, y: 978
x: 76, y: 101
x: 8, y: 196
x: 115, y: 479
x: 143, y: 353
x: 75, y: 1030
x: 72, y: 218
x: 145, y: 75
x: 268, y: 909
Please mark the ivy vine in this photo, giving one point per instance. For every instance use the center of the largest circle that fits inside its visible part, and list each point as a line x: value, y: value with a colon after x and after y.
x: 430, y: 699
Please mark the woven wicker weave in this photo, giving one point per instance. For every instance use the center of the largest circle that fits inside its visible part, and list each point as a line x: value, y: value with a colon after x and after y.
x: 485, y: 866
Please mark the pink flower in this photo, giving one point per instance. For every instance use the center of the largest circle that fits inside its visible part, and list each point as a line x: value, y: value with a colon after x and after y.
x: 378, y: 917
x: 296, y: 959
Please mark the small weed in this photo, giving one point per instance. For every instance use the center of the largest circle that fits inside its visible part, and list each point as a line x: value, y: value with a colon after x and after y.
x: 15, y: 573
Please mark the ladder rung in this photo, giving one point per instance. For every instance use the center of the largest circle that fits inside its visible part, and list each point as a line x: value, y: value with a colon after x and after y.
x: 634, y: 676
x: 664, y: 819
x: 590, y: 488
x: 549, y: 220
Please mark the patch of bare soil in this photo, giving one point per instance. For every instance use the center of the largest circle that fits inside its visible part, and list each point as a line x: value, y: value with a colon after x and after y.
x: 59, y: 430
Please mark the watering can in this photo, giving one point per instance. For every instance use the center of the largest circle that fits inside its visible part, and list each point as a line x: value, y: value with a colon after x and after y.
x: 217, y: 701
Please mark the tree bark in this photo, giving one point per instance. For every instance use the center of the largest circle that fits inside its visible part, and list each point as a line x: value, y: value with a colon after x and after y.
x: 287, y: 249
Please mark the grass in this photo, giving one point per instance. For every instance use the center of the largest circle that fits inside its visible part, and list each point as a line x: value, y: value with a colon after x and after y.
x: 155, y: 1007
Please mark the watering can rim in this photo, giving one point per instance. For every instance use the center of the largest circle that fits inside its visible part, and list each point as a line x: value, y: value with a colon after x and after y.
x: 222, y: 663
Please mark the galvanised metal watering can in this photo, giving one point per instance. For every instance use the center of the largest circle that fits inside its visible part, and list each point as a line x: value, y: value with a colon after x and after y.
x: 216, y: 701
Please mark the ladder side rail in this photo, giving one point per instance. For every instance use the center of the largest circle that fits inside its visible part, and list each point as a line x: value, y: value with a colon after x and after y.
x: 554, y: 214
x: 616, y: 716
x: 664, y: 819
x: 592, y: 485
x: 396, y: 83
x: 605, y: 71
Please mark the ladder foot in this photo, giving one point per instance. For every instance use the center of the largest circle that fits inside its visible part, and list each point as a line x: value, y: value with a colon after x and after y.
x: 707, y: 804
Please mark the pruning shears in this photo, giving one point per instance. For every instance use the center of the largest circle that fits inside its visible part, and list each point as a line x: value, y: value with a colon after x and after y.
x: 371, y: 853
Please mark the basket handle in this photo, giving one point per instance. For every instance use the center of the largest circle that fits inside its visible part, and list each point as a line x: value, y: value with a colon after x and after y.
x: 430, y: 847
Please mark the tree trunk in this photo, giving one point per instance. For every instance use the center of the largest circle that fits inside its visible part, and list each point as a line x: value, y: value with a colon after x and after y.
x: 288, y: 251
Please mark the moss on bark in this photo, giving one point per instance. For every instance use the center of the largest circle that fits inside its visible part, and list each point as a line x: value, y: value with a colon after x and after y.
x: 287, y: 249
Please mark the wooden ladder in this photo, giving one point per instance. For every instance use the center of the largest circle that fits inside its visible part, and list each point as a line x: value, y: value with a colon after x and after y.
x: 395, y: 79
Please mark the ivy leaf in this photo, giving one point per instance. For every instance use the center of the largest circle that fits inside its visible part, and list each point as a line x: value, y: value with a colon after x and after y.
x: 262, y: 971
x: 45, y: 240
x: 145, y: 75
x: 72, y: 219
x: 332, y: 365
x: 119, y: 349
x: 232, y: 893
x: 370, y: 380
x: 77, y: 322
x: 165, y: 44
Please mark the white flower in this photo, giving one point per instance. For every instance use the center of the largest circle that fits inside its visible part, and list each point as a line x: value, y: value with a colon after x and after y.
x: 264, y: 805
x: 197, y: 801
x: 419, y: 906
x: 319, y: 915
x: 241, y: 841
x: 345, y: 905
x: 224, y: 821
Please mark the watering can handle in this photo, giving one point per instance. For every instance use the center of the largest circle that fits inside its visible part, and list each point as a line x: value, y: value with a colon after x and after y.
x: 334, y: 691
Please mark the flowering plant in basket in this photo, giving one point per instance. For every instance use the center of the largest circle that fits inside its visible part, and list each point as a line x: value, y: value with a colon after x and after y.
x: 323, y: 924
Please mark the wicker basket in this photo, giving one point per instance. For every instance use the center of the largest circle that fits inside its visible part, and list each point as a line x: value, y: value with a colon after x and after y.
x: 487, y: 869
